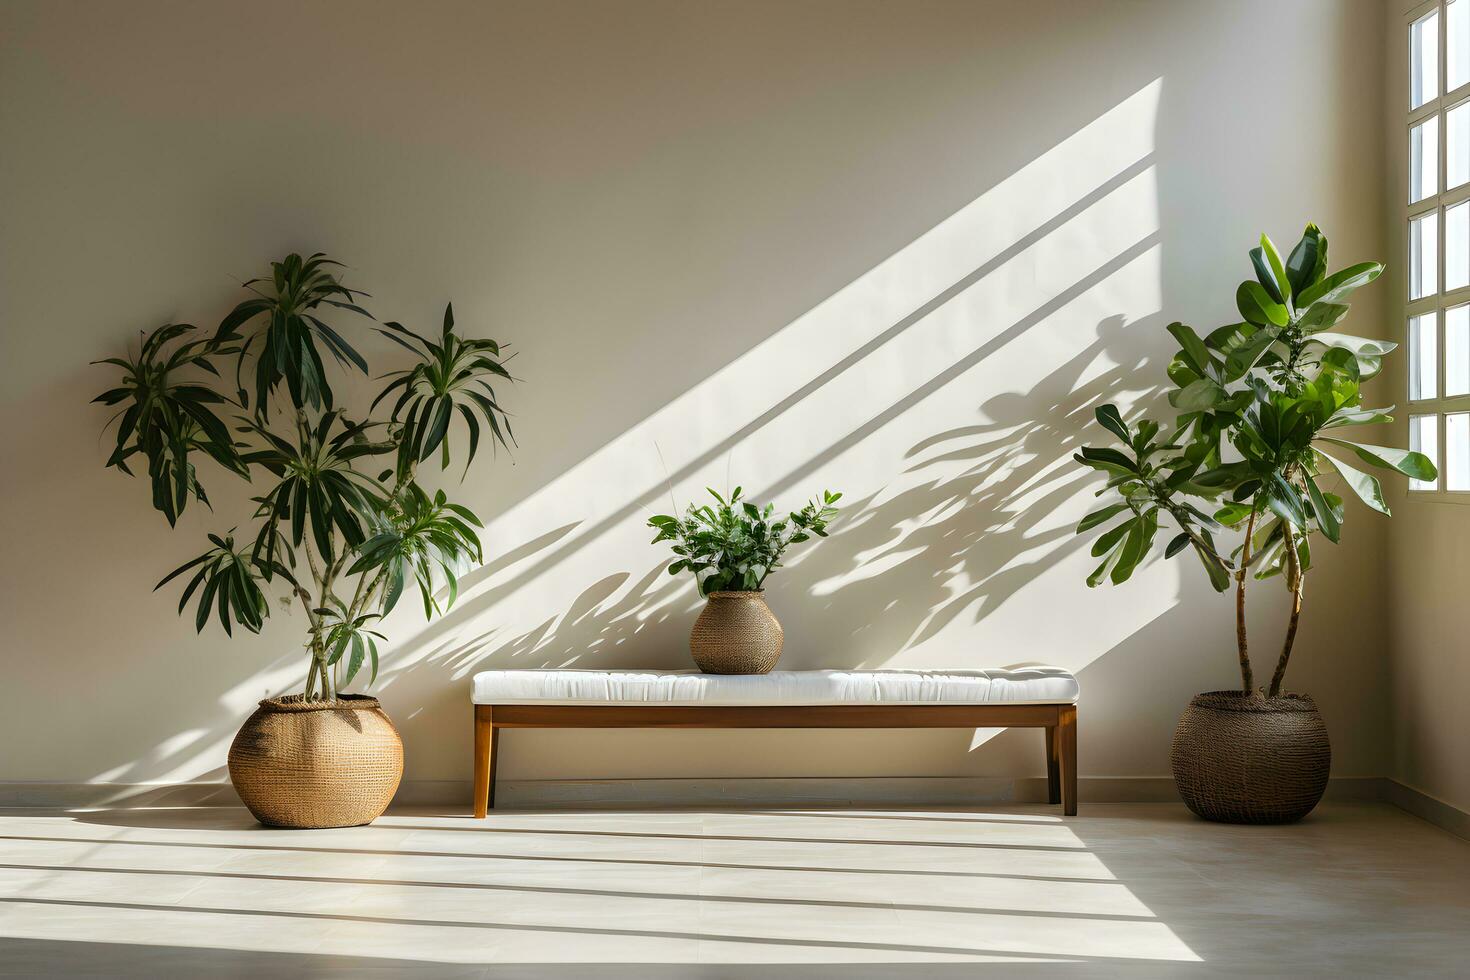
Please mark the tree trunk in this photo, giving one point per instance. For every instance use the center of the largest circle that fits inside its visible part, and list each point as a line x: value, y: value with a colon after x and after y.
x: 1247, y: 677
x: 1297, y: 578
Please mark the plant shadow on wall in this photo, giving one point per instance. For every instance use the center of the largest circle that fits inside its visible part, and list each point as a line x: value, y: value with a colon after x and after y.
x: 879, y: 363
x: 946, y: 547
x: 921, y: 537
x: 896, y: 558
x: 946, y: 525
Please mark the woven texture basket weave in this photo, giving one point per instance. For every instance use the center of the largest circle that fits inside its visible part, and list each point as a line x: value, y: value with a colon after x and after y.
x: 1255, y: 760
x: 317, y: 764
x: 736, y: 634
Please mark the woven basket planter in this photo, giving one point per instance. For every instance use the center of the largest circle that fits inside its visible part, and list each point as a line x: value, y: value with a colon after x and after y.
x: 736, y: 634
x: 313, y: 764
x: 1257, y: 760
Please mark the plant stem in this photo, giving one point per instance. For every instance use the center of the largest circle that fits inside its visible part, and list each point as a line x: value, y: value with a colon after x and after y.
x: 315, y: 644
x: 316, y: 573
x: 1182, y: 519
x: 1296, y: 577
x: 353, y: 608
x: 775, y: 563
x: 1247, y: 678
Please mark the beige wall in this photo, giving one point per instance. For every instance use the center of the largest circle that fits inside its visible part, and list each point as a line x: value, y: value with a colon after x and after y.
x: 1429, y: 563
x: 897, y: 249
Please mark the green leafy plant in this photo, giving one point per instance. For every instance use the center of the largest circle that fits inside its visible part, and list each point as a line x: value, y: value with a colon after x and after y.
x: 290, y: 300
x: 735, y: 546
x: 1255, y: 452
x: 342, y: 540
x: 451, y: 374
x: 168, y: 417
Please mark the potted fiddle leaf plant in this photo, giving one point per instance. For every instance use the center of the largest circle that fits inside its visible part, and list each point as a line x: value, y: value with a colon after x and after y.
x: 1253, y: 471
x: 342, y: 524
x: 732, y: 547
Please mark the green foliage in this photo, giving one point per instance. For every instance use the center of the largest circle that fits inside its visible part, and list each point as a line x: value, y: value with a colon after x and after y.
x: 1142, y: 477
x: 428, y: 538
x: 317, y: 487
x: 169, y: 417
x: 1260, y: 404
x: 734, y: 546
x: 290, y: 300
x: 451, y: 375
x: 318, y: 508
x: 352, y: 638
x: 229, y: 577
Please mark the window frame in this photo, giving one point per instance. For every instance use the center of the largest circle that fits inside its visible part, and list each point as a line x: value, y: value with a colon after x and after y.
x: 1442, y: 299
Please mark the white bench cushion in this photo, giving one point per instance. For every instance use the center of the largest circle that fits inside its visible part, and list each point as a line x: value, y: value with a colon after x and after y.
x: 1022, y: 685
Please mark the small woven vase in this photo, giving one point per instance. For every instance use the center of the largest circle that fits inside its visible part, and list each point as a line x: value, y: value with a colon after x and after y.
x: 312, y: 764
x: 1258, y: 760
x: 736, y: 634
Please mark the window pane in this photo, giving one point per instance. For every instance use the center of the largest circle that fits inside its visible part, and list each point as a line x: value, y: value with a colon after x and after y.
x: 1457, y: 350
x: 1457, y: 144
x: 1424, y: 59
x: 1457, y: 42
x: 1457, y: 451
x: 1423, y: 354
x: 1424, y: 438
x: 1424, y: 158
x: 1424, y: 255
x: 1457, y: 246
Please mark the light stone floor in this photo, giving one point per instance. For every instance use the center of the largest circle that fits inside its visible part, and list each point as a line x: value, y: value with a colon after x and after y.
x: 1121, y: 890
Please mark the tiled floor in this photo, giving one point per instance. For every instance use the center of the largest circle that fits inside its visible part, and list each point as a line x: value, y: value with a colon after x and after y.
x: 1120, y: 890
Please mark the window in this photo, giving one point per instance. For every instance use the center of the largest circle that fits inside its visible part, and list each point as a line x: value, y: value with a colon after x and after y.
x: 1456, y: 351
x: 1424, y: 158
x: 1457, y: 451
x: 1424, y: 59
x: 1457, y: 146
x: 1423, y: 357
x: 1424, y: 438
x: 1437, y: 217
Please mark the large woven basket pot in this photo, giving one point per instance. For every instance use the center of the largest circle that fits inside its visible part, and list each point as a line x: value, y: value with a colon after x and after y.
x: 315, y: 763
x: 736, y: 634
x: 1240, y: 759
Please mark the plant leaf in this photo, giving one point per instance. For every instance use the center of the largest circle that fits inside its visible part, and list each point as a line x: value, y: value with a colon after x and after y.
x: 1257, y: 306
x: 1405, y: 461
x: 1365, y: 486
x: 1341, y: 283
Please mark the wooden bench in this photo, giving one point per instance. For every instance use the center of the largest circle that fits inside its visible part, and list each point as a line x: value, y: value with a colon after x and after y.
x: 1029, y: 697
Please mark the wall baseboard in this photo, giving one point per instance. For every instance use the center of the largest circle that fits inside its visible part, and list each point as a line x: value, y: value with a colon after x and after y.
x: 115, y: 795
x: 1428, y: 808
x: 805, y: 791
x: 860, y: 791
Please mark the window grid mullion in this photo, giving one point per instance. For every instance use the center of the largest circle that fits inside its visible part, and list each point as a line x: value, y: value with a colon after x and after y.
x: 1439, y: 204
x: 1449, y: 198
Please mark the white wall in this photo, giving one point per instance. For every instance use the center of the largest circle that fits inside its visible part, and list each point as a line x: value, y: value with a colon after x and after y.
x: 894, y: 249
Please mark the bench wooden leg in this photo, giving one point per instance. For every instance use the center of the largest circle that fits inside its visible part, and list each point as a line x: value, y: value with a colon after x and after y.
x: 1053, y: 766
x: 487, y: 739
x: 1067, y: 756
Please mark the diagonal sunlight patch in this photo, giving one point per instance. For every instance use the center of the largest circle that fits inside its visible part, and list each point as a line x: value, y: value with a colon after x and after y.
x: 918, y: 345
x: 952, y: 380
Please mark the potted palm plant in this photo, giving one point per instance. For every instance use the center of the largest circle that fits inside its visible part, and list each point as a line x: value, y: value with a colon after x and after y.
x: 732, y: 548
x: 340, y: 540
x: 1252, y: 472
